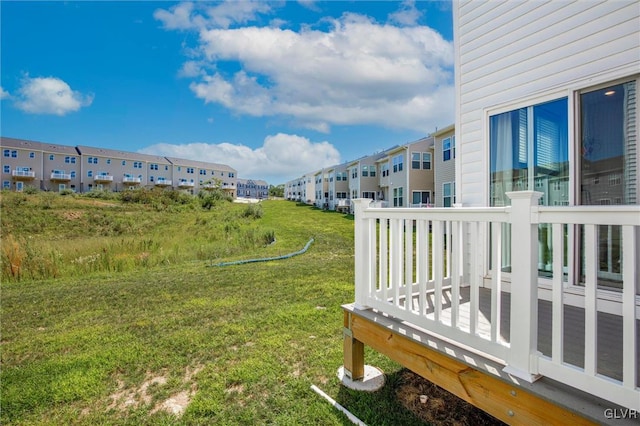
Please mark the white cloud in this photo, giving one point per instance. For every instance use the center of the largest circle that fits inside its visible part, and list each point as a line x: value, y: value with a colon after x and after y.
x: 281, y: 157
x: 310, y: 4
x: 4, y: 94
x: 191, y: 69
x: 49, y: 95
x: 186, y: 16
x: 359, y: 72
x: 407, y: 15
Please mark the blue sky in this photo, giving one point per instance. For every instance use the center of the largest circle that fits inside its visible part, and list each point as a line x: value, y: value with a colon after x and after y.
x: 274, y: 89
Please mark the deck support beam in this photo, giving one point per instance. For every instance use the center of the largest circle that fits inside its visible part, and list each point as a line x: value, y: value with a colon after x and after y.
x: 503, y: 400
x: 353, y: 352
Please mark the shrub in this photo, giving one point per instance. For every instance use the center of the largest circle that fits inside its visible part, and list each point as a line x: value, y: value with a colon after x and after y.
x: 253, y: 211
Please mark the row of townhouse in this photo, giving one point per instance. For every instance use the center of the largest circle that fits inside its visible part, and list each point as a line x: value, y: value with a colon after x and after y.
x: 52, y: 167
x: 417, y: 174
x: 255, y: 189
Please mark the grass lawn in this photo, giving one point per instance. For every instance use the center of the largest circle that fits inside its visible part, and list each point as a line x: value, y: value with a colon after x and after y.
x: 178, y: 341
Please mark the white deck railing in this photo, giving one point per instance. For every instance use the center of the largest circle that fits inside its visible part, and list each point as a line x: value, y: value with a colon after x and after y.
x: 415, y: 263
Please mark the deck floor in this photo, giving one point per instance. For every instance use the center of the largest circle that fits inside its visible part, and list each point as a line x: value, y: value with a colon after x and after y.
x: 609, y: 328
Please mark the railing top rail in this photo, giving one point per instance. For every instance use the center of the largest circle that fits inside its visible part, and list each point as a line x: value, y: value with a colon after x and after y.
x: 463, y: 214
x: 590, y: 215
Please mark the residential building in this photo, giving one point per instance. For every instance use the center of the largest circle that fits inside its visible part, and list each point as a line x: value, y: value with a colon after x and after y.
x: 82, y: 168
x: 41, y: 165
x: 407, y: 174
x: 114, y: 170
x: 249, y: 188
x: 444, y: 148
x: 338, y: 187
x: 308, y: 188
x: 321, y: 188
x: 364, y: 180
x: 524, y: 300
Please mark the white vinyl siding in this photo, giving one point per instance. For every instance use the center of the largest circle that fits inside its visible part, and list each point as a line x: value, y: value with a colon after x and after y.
x: 512, y: 51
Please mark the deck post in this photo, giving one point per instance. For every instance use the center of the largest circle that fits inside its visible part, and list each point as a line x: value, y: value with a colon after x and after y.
x: 362, y: 268
x: 353, y: 352
x: 522, y: 355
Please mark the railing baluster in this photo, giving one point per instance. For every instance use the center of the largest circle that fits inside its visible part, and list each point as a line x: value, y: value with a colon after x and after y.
x: 475, y: 278
x: 422, y: 263
x: 590, y: 300
x: 384, y: 257
x: 396, y: 260
x: 496, y: 280
x: 447, y: 250
x: 408, y: 264
x: 456, y: 262
x: 436, y: 237
x: 630, y: 273
x: 371, y: 234
x: 557, y: 323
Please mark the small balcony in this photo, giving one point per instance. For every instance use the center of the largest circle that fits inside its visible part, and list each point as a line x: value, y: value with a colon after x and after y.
x: 131, y: 180
x: 163, y: 182
x: 183, y: 184
x: 103, y: 179
x: 23, y: 174
x: 60, y: 177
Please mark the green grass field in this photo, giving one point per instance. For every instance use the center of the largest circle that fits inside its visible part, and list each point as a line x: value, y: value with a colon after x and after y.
x: 148, y: 332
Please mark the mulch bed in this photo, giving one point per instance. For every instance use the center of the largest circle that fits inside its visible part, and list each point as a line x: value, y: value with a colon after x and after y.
x: 441, y: 407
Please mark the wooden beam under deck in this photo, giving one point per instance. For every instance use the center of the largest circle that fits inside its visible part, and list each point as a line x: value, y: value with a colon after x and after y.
x: 475, y: 379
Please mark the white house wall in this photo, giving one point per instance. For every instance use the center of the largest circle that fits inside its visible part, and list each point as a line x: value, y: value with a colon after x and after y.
x: 511, y: 52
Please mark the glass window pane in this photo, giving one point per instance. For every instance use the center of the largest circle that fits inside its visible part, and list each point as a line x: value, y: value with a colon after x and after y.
x: 608, y: 168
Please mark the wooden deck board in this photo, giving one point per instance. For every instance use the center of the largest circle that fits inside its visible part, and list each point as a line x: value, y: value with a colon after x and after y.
x: 609, y: 328
x: 385, y: 334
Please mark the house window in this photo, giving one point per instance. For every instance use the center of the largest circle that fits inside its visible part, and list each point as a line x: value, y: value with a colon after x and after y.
x: 6, y: 153
x: 421, y: 198
x: 446, y: 149
x: 124, y: 163
x: 608, y: 144
x: 108, y: 160
x: 365, y: 171
x: 448, y: 194
x: 14, y: 154
x: 397, y: 197
x: 426, y: 161
x: 73, y: 174
x: 397, y: 163
x: 385, y: 169
x: 526, y: 145
x: 6, y: 184
x: 608, y: 148
x: 89, y: 173
x: 354, y: 173
x: 32, y: 155
x: 6, y: 168
x: 415, y: 160
x: 153, y: 167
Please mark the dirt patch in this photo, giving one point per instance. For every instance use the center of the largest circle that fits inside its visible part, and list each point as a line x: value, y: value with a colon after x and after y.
x: 439, y: 407
x: 124, y: 399
x: 72, y: 214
